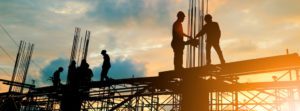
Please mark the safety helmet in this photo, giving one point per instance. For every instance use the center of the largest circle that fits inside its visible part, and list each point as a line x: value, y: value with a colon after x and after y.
x: 60, y: 68
x: 208, y: 17
x: 180, y: 14
x: 103, y: 52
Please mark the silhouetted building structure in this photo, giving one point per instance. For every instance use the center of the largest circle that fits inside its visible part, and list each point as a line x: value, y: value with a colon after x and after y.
x: 56, y: 77
x: 105, y: 66
x: 177, y: 41
x: 213, y: 32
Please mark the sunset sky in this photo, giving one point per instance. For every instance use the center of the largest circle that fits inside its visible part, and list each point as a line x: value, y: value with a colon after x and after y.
x: 137, y: 33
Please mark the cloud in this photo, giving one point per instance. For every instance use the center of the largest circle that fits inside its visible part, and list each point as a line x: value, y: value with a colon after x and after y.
x: 139, y: 29
x: 240, y: 45
x: 116, y: 11
x: 278, y: 9
x: 49, y: 69
x: 122, y: 68
x: 71, y: 8
x: 138, y: 11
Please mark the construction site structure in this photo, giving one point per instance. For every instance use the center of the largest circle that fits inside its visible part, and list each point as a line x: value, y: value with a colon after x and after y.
x: 80, y: 46
x: 195, y: 56
x: 207, y: 88
x: 195, y: 88
x: 10, y: 100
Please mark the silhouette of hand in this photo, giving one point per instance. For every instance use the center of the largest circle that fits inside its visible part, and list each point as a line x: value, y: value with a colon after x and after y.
x: 193, y: 42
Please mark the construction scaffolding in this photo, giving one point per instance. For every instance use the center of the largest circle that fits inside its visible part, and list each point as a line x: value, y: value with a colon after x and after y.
x: 21, y: 66
x: 207, y: 88
x: 198, y: 87
x: 11, y: 100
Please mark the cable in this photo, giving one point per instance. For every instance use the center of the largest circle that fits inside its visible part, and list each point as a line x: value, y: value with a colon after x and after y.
x: 6, y: 53
x: 15, y: 42
x: 4, y: 71
x: 9, y: 35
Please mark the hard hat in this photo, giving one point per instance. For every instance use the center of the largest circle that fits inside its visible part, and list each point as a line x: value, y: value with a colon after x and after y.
x: 208, y: 17
x: 180, y: 14
x: 103, y: 52
x: 60, y: 68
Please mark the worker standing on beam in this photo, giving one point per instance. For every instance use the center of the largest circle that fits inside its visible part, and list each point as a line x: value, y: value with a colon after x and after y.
x: 105, y: 66
x: 213, y: 32
x: 56, y: 77
x: 177, y: 41
x: 72, y: 73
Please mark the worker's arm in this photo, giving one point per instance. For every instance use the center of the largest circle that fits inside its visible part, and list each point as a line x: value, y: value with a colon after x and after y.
x: 178, y: 29
x: 202, y: 32
x: 185, y: 35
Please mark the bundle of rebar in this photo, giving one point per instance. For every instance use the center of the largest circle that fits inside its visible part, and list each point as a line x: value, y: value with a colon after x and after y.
x: 196, y: 14
x: 21, y: 66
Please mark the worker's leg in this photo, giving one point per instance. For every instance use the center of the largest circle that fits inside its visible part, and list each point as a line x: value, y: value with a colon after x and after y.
x: 219, y: 52
x: 102, y: 78
x: 175, y: 57
x: 180, y: 61
x: 59, y: 83
x: 178, y: 58
x: 102, y: 74
x: 54, y: 82
x: 106, y: 72
x: 208, y: 48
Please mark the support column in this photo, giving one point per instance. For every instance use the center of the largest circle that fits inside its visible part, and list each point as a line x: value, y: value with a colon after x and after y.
x: 195, y: 94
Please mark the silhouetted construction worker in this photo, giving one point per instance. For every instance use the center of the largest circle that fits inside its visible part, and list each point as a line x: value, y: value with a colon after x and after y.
x: 71, y: 98
x: 85, y: 73
x: 177, y: 41
x: 105, y: 66
x: 89, y: 73
x: 85, y: 76
x: 71, y: 73
x: 56, y: 77
x: 213, y: 32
